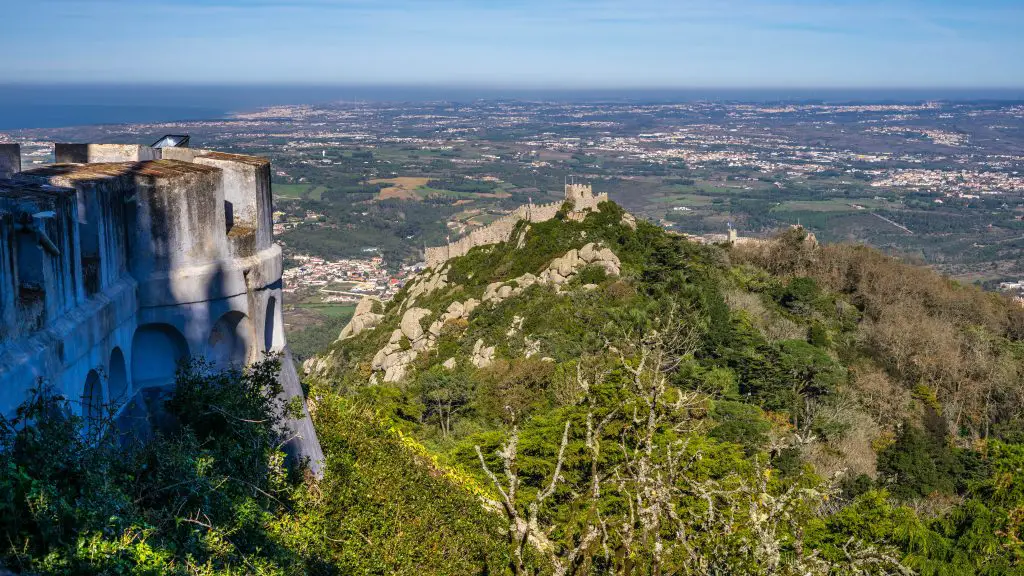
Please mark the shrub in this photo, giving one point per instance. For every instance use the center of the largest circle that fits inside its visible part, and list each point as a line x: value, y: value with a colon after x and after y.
x: 200, y: 498
x: 741, y: 424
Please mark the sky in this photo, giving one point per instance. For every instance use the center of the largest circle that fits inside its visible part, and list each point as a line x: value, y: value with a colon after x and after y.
x: 518, y: 43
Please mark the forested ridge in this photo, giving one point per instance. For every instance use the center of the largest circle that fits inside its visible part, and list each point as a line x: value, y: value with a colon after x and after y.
x: 767, y: 408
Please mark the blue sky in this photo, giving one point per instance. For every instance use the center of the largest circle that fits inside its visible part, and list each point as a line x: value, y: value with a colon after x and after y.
x: 521, y: 43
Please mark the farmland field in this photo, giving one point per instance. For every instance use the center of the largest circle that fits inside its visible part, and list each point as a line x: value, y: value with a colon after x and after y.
x: 298, y: 191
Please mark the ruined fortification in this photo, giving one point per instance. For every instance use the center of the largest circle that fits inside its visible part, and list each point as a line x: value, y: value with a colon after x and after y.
x: 119, y: 261
x: 581, y: 196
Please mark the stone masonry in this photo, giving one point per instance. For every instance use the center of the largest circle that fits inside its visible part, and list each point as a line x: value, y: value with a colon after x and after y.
x: 581, y: 195
x: 119, y: 261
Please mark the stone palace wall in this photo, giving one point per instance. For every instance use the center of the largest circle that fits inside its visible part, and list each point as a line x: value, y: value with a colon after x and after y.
x: 119, y: 261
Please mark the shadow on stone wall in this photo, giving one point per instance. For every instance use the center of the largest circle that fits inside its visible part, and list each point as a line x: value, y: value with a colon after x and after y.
x: 196, y: 297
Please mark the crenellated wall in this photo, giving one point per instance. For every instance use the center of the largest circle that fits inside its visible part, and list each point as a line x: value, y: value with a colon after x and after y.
x: 123, y: 260
x: 582, y: 197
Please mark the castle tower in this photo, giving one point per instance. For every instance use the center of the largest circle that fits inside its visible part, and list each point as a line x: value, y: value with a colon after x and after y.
x: 579, y: 193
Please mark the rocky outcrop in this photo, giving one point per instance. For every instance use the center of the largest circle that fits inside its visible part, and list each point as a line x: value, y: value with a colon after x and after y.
x: 411, y: 326
x: 410, y: 339
x: 393, y: 362
x: 427, y: 285
x: 363, y: 319
x: 560, y: 271
x: 517, y: 326
x: 531, y: 347
x: 483, y: 356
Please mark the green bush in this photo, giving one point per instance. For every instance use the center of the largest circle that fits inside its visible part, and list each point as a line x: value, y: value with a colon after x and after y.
x: 741, y: 424
x: 200, y: 498
x: 916, y: 465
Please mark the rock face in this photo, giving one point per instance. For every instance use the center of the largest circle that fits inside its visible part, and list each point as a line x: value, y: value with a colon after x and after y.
x: 427, y: 285
x: 363, y: 319
x: 411, y: 327
x: 393, y: 362
x: 517, y: 325
x: 483, y: 356
x: 394, y: 358
x: 530, y: 347
x: 560, y: 271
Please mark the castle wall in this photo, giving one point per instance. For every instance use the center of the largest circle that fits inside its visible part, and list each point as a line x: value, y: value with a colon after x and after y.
x: 8, y: 279
x: 96, y: 153
x: 43, y: 251
x: 51, y: 330
x: 143, y: 271
x: 102, y: 200
x: 178, y: 218
x: 501, y: 229
x: 181, y: 154
x: 246, y: 183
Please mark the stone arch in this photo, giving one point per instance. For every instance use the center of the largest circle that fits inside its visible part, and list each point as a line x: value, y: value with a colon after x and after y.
x: 117, y: 381
x: 273, y: 331
x: 156, y: 351
x: 92, y: 398
x: 230, y: 340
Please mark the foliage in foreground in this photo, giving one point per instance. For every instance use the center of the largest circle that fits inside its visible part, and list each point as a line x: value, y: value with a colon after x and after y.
x: 202, y: 498
x: 212, y: 495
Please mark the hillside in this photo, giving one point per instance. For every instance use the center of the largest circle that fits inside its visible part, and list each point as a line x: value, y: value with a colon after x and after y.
x: 632, y: 402
x: 594, y: 396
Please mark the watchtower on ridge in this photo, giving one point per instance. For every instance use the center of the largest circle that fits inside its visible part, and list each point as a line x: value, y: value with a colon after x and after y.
x: 579, y: 193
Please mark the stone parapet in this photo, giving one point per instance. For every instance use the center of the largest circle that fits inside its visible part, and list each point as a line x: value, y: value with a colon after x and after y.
x: 581, y: 196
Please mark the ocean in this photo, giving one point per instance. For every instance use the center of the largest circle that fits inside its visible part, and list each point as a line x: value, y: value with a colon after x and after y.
x: 55, y: 106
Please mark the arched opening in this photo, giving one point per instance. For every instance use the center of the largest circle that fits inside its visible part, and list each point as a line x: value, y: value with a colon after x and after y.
x: 273, y: 332
x: 117, y: 383
x: 230, y: 340
x: 92, y: 399
x: 156, y: 351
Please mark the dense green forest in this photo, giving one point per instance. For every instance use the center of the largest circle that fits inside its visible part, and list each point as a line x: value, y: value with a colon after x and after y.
x: 776, y: 408
x: 770, y: 408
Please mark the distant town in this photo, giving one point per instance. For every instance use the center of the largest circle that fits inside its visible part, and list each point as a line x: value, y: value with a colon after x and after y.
x: 345, y: 280
x: 361, y: 188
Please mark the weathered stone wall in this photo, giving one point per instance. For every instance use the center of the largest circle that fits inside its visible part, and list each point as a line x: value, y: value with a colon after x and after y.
x: 246, y: 194
x: 501, y: 229
x: 138, y: 270
x: 8, y: 279
x: 96, y: 153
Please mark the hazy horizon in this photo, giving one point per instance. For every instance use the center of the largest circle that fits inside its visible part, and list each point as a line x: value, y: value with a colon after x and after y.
x: 570, y: 44
x: 28, y: 106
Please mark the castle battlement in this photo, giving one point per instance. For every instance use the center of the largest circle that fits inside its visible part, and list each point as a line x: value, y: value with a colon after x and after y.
x: 581, y: 195
x: 119, y: 261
